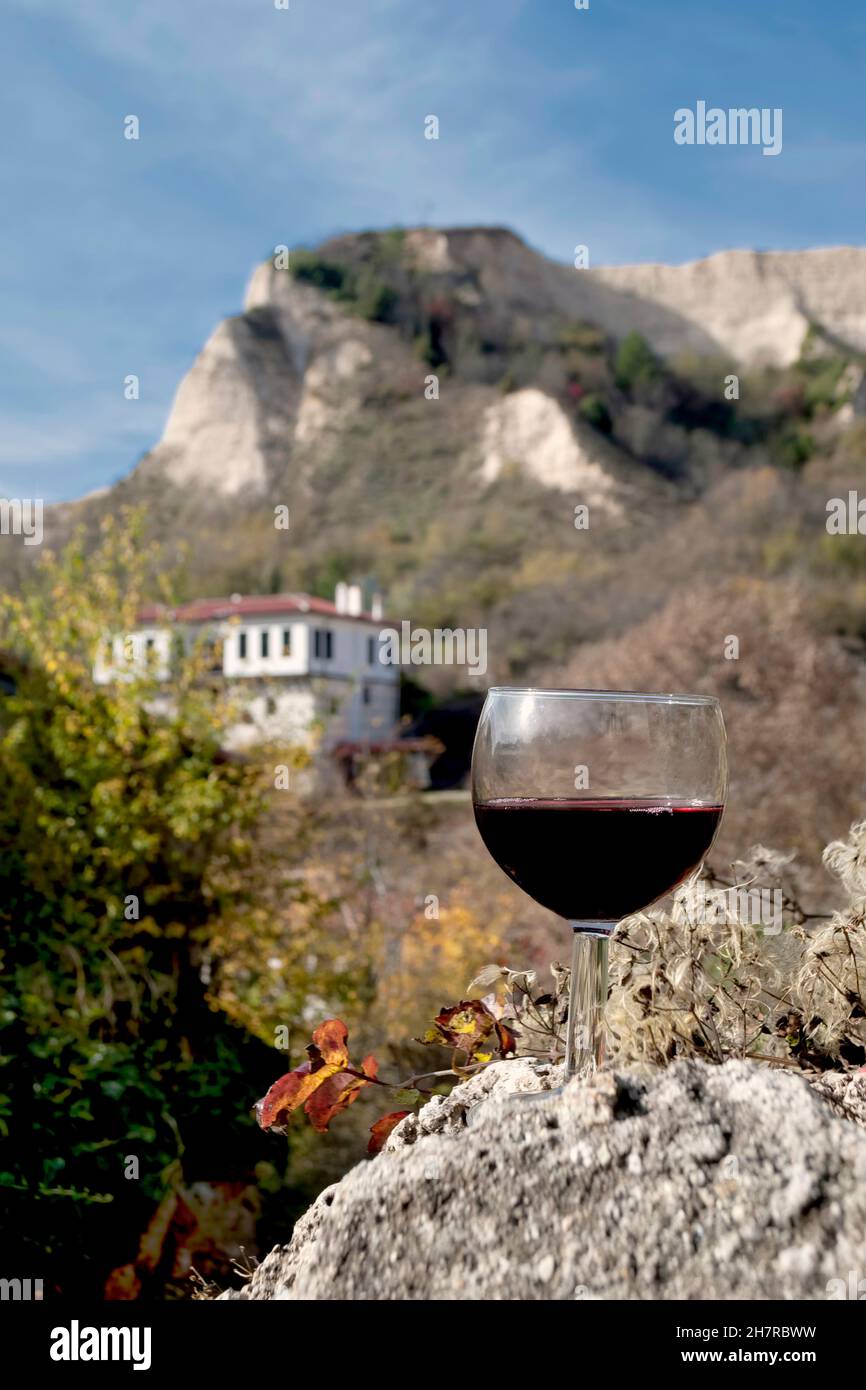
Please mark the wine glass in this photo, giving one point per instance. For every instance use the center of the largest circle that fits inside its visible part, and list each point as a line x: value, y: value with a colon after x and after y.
x: 596, y: 803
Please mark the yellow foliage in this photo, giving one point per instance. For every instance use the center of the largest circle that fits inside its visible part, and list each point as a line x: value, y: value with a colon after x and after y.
x: 434, y: 960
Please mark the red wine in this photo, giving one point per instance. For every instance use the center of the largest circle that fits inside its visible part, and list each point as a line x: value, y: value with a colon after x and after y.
x: 596, y: 860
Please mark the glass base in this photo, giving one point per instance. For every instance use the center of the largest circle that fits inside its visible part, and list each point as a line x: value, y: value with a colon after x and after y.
x: 585, y: 1035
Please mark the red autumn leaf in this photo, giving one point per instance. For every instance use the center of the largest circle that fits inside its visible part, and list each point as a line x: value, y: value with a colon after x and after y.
x: 472, y: 1027
x: 507, y: 1039
x: 288, y: 1094
x: 337, y: 1093
x: 327, y: 1072
x: 464, y: 1027
x: 122, y: 1284
x: 382, y: 1128
x: 328, y: 1047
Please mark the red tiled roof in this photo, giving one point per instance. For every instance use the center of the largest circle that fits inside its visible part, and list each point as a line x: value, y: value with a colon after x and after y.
x: 203, y: 610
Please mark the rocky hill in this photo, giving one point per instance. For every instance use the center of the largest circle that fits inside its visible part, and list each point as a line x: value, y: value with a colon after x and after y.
x: 404, y: 391
x: 286, y: 377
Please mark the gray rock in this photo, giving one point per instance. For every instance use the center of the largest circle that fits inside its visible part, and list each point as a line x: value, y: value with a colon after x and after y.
x: 844, y: 1092
x: 450, y: 1114
x: 700, y: 1182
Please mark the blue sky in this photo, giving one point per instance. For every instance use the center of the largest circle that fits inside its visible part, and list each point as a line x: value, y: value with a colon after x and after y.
x: 262, y: 126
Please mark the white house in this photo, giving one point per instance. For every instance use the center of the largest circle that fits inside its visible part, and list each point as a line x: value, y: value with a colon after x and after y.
x: 304, y: 666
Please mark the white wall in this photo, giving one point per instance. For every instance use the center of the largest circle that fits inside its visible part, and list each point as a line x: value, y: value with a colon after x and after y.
x: 344, y: 715
x: 289, y: 695
x: 350, y: 641
x: 317, y: 711
x: 130, y: 655
x: 275, y: 664
x: 280, y: 714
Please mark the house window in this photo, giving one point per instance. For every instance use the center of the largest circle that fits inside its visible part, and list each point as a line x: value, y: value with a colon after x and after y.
x: 266, y: 643
x: 323, y: 644
x: 242, y: 646
x: 287, y: 641
x: 365, y: 694
x: 371, y: 651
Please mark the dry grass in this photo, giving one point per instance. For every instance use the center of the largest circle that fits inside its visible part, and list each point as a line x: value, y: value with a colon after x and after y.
x: 688, y: 983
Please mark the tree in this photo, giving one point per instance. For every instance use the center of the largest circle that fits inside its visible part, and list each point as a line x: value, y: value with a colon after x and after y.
x: 127, y: 835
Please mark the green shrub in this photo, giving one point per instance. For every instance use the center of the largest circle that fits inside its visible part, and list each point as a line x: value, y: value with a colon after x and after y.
x: 635, y: 363
x: 793, y: 447
x: 373, y: 299
x: 594, y: 410
x: 312, y: 270
x: 821, y: 390
x: 365, y: 291
x: 429, y: 348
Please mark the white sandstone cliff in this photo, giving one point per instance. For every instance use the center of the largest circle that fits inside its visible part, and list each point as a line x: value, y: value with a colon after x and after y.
x: 271, y: 385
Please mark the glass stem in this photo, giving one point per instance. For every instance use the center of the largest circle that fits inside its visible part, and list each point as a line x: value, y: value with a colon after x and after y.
x: 584, y: 1051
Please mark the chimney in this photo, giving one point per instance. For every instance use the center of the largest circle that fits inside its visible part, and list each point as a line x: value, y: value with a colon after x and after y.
x: 341, y: 597
x: 354, y: 600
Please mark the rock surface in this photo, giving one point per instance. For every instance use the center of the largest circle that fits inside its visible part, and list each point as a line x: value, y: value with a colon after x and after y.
x: 755, y: 306
x: 701, y: 1182
x: 233, y: 410
x: 530, y: 430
